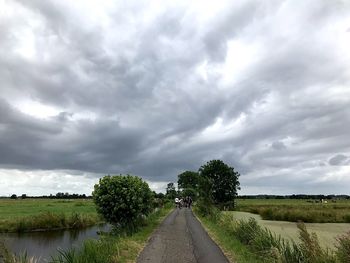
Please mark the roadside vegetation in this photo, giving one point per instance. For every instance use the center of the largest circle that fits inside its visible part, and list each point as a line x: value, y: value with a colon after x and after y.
x: 110, y: 248
x: 268, y: 246
x: 216, y: 184
x: 123, y: 247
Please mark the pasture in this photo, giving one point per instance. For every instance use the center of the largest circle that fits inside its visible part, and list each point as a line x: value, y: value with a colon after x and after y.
x: 294, y: 210
x: 31, y: 214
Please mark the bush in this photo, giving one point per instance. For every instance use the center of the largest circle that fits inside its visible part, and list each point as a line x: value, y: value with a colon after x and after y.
x: 123, y: 200
x: 207, y: 209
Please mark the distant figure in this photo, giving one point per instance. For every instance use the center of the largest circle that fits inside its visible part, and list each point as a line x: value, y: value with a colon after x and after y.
x: 186, y: 201
x: 189, y: 201
x: 177, y: 202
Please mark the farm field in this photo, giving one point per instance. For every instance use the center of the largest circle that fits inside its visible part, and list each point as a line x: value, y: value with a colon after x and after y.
x: 294, y: 210
x: 29, y: 214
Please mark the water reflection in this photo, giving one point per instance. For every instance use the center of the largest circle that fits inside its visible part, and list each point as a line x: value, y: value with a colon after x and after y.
x: 43, y: 245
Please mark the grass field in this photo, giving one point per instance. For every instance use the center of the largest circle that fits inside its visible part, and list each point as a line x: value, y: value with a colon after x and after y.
x: 32, y: 214
x: 294, y: 210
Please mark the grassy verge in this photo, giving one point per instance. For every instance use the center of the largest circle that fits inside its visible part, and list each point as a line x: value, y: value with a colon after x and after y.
x: 234, y: 250
x: 266, y: 246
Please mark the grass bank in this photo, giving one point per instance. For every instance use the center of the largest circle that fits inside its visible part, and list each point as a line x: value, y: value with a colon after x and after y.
x: 121, y: 248
x: 46, y: 214
x: 297, y: 210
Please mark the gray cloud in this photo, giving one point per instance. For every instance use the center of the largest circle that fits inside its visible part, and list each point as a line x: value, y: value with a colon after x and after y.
x: 156, y: 91
x: 339, y: 159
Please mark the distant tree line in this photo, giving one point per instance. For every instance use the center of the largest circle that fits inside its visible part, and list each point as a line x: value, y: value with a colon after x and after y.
x: 294, y: 196
x: 51, y: 196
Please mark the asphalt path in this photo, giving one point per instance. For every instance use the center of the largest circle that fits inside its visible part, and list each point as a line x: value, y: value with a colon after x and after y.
x: 181, y: 238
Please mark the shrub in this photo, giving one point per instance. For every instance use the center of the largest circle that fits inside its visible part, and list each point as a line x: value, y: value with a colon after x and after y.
x: 123, y: 200
x: 207, y: 209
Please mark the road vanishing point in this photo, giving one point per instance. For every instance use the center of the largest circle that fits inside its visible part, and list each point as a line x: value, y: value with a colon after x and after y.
x: 181, y: 239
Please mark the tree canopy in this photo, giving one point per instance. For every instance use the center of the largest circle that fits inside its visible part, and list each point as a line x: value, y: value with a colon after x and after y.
x: 123, y: 199
x: 188, y: 179
x: 218, y: 181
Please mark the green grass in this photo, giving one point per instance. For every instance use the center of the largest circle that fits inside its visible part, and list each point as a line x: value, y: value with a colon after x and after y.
x: 293, y: 210
x: 45, y: 214
x: 234, y: 250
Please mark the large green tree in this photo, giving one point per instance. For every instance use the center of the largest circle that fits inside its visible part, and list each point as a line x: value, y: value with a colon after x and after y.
x: 188, y: 179
x: 188, y: 183
x: 218, y: 182
x: 123, y: 199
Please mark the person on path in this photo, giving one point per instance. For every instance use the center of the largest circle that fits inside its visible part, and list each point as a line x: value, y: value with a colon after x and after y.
x: 177, y: 202
x: 189, y: 201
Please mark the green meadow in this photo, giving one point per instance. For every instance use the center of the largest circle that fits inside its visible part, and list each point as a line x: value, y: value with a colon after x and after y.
x: 43, y: 214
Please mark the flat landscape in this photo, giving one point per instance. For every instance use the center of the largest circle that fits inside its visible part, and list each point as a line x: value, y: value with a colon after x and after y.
x: 294, y: 210
x: 28, y: 214
x: 328, y: 220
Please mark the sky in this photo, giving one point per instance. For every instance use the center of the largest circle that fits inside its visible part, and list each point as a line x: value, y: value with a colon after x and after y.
x: 155, y: 88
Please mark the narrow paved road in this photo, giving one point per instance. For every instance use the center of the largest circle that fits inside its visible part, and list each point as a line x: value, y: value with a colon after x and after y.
x: 181, y: 238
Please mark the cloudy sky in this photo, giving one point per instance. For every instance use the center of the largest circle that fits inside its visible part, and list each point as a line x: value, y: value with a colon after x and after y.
x: 154, y: 88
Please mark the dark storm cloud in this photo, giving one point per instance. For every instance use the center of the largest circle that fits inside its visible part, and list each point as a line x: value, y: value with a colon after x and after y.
x: 149, y: 89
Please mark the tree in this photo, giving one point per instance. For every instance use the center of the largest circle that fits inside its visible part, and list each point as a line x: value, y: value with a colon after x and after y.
x: 188, y: 179
x: 14, y: 196
x: 24, y: 196
x: 171, y: 191
x: 122, y: 200
x: 218, y: 181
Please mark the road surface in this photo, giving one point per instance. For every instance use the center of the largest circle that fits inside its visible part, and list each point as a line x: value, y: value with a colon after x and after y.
x: 181, y: 238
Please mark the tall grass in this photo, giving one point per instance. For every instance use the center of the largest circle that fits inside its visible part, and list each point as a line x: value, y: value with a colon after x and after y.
x: 343, y: 247
x: 273, y: 248
x: 7, y: 257
x: 97, y: 251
